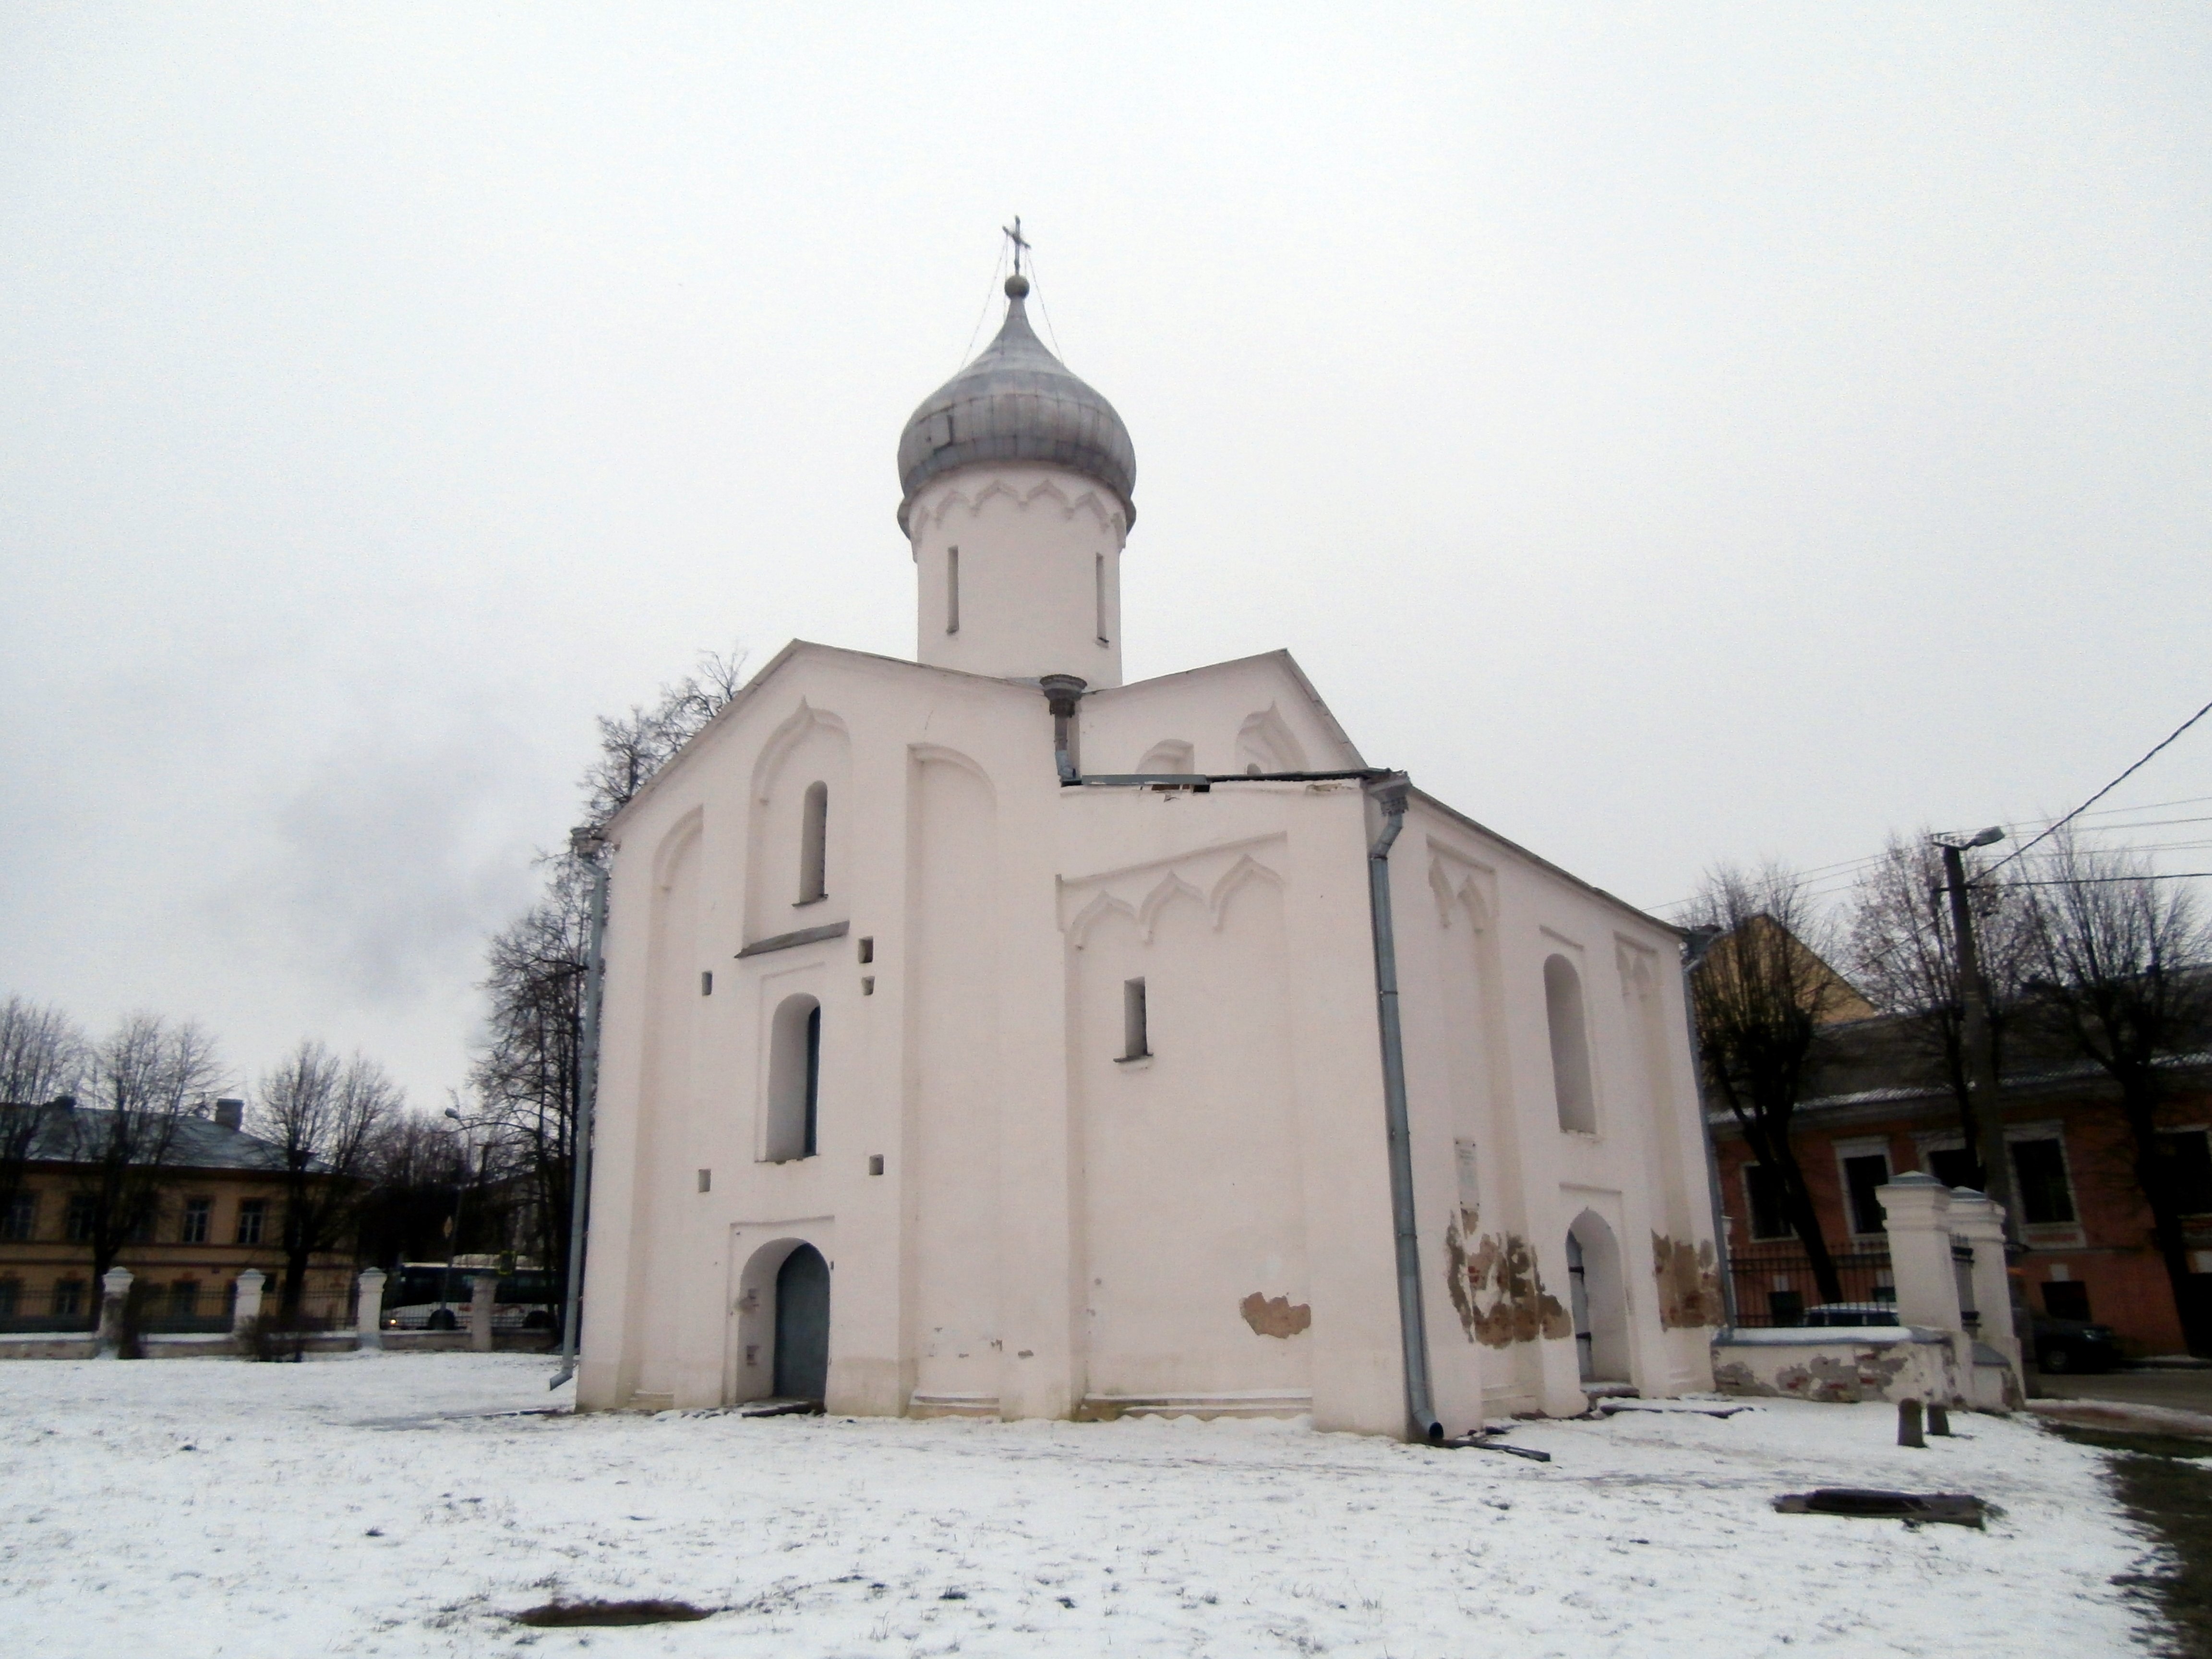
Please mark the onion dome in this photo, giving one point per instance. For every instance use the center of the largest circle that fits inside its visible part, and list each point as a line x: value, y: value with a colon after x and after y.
x: 1016, y: 402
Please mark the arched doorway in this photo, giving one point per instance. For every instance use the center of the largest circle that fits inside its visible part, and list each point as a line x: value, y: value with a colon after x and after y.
x: 802, y: 1325
x: 1598, y: 1296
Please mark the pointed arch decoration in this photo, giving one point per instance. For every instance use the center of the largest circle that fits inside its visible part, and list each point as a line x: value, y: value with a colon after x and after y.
x: 936, y: 506
x: 1264, y: 743
x: 1170, y: 888
x: 1246, y: 871
x: 1102, y: 906
x: 800, y: 723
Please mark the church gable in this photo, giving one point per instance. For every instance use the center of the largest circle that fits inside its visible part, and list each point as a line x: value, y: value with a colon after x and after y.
x: 1260, y: 715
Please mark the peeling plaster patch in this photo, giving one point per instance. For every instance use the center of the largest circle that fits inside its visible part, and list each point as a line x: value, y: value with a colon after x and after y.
x: 1826, y: 1378
x: 1274, y: 1316
x: 1497, y: 1291
x: 1689, y: 1283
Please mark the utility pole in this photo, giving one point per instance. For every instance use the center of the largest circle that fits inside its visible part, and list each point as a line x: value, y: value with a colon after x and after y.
x: 1981, y: 1056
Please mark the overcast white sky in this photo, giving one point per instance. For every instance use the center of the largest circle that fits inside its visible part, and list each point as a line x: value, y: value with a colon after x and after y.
x: 1674, y: 434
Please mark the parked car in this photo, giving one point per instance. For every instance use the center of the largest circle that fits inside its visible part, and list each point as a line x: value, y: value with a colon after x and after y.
x: 2073, y: 1344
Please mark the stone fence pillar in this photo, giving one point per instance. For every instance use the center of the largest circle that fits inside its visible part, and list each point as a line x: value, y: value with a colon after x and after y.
x: 114, y: 1298
x: 369, y: 1318
x: 245, y: 1312
x: 1980, y: 1223
x: 1918, y: 1211
x: 483, y: 1289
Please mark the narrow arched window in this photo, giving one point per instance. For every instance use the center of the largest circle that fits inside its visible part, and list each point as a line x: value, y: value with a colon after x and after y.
x: 1570, y: 1063
x: 814, y: 845
x: 794, y: 1081
x: 810, y: 1143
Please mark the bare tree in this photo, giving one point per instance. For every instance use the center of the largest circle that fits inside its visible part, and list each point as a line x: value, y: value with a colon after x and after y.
x: 416, y: 1162
x: 635, y: 745
x: 143, y: 1079
x: 42, y: 1055
x: 1901, y: 955
x: 1760, y: 998
x: 323, y: 1114
x: 527, y: 1074
x: 2125, y: 965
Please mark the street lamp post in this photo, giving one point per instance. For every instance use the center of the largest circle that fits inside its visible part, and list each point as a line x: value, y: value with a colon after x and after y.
x: 1976, y: 1041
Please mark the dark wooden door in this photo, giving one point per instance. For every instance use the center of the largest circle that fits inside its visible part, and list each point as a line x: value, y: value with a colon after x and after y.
x: 802, y: 1325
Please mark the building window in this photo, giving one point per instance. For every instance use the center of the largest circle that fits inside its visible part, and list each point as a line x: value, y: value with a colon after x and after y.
x: 183, y: 1298
x: 20, y: 1223
x: 2066, y: 1298
x: 952, y: 590
x: 1954, y: 1166
x: 1098, y: 587
x: 1861, y: 1175
x: 1570, y: 1064
x: 1762, y: 1192
x: 2188, y: 1163
x: 1136, y: 1021
x: 794, y: 1081
x: 252, y: 1212
x: 11, y: 1297
x: 814, y: 845
x: 2038, y: 1170
x: 199, y: 1220
x: 68, y: 1298
x: 83, y: 1213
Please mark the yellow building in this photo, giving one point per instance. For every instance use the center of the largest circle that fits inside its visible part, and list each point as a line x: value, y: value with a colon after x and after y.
x: 219, y: 1211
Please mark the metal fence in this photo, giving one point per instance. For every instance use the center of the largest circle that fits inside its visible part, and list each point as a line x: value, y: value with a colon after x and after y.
x: 172, y: 1308
x: 1775, y: 1287
x: 71, y: 1305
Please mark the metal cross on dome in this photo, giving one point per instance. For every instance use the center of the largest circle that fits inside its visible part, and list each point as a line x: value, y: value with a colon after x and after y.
x: 1014, y: 234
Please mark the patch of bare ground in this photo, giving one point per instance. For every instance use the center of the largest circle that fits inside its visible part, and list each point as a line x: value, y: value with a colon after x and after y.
x: 568, y: 1615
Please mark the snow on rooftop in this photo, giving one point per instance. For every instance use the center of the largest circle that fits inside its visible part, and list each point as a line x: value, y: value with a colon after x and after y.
x: 371, y: 1505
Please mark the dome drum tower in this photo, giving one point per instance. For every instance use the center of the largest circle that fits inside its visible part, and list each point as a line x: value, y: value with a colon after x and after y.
x: 1017, y: 482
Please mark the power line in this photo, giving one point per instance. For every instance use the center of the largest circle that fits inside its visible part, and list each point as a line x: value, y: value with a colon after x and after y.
x: 2148, y: 875
x: 2101, y: 793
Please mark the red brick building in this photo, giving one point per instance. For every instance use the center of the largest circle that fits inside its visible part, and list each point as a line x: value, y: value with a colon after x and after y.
x: 1878, y: 1106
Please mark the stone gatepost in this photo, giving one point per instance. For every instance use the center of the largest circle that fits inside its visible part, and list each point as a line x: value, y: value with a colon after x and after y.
x: 1979, y: 1222
x: 369, y: 1318
x: 1917, y: 1208
x: 1918, y: 1211
x: 483, y: 1289
x: 245, y: 1312
x: 114, y: 1298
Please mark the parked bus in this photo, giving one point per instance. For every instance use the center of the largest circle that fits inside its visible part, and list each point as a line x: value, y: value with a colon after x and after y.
x: 435, y: 1295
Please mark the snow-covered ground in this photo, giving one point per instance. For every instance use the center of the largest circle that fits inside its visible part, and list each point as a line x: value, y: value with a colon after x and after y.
x: 371, y: 1505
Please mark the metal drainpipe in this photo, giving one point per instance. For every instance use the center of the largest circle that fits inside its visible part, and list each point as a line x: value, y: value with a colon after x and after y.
x: 586, y: 844
x: 1060, y: 693
x: 1390, y: 795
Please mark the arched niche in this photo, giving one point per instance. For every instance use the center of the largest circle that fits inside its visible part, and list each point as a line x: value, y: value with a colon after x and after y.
x: 1564, y: 1018
x: 794, y: 1081
x: 797, y: 869
x: 1598, y: 1299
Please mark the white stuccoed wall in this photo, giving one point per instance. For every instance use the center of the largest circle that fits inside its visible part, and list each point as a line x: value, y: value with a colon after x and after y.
x: 1057, y: 1233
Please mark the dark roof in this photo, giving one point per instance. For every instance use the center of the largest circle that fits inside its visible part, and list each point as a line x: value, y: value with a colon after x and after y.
x: 74, y: 1135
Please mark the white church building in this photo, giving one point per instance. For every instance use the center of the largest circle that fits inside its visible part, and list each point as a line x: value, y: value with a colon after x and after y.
x: 984, y: 1036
